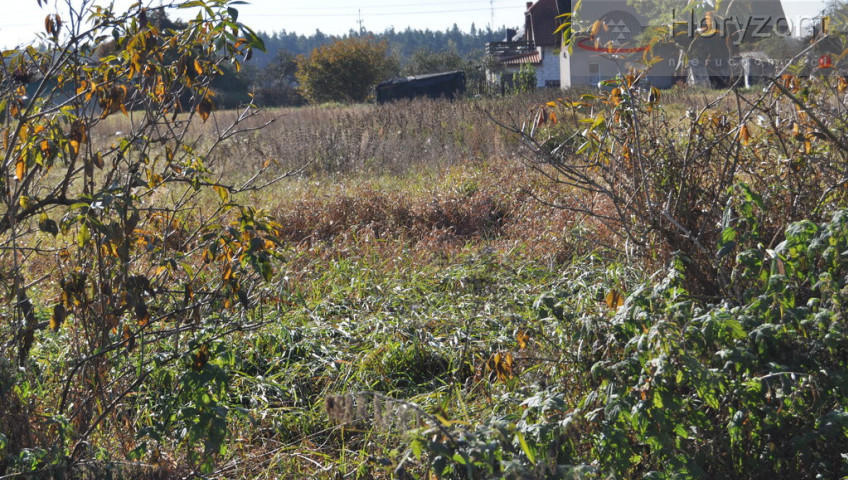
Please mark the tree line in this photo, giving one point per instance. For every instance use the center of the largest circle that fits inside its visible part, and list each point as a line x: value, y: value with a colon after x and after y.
x: 403, y: 43
x: 272, y: 76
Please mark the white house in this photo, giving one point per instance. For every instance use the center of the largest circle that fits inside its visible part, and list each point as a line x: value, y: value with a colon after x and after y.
x: 607, y: 39
x: 536, y: 45
x: 594, y: 57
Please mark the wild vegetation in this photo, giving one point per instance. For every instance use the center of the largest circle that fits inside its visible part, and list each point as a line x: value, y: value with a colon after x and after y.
x: 612, y: 284
x: 270, y: 75
x: 404, y: 43
x: 344, y: 71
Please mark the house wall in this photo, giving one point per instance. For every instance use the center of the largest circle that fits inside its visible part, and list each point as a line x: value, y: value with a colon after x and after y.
x: 577, y: 68
x: 584, y: 67
x: 549, y: 70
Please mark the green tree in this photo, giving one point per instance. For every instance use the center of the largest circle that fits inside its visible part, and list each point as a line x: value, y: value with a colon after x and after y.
x: 344, y: 71
x: 525, y: 79
x: 275, y: 85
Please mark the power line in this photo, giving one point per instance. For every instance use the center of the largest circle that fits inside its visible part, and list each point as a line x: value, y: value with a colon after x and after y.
x: 427, y: 4
x: 354, y: 14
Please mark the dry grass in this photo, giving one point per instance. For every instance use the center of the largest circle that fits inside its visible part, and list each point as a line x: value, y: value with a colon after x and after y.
x: 394, y: 139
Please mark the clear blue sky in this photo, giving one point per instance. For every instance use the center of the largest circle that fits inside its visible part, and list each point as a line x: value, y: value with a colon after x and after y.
x: 18, y: 23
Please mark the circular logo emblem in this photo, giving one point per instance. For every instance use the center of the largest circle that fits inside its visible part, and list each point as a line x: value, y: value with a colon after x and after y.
x: 614, y: 32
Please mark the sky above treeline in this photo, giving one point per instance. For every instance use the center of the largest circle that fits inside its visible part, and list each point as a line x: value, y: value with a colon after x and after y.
x: 20, y: 24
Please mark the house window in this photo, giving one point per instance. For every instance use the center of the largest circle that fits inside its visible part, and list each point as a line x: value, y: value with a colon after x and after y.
x: 594, y: 74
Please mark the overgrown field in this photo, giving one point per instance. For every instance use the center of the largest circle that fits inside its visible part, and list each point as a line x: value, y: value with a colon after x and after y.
x: 617, y: 288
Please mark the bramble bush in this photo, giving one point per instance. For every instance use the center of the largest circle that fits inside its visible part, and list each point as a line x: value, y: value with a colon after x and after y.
x: 660, y: 184
x: 126, y: 259
x: 729, y: 362
x: 665, y: 387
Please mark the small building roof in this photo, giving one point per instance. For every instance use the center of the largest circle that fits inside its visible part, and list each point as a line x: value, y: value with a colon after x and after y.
x: 427, y: 76
x: 531, y: 57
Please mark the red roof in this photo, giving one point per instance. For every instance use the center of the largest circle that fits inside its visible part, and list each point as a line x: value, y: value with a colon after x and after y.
x: 532, y: 57
x: 540, y: 23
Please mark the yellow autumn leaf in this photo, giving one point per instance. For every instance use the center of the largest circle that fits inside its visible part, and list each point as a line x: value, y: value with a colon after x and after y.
x: 20, y: 169
x: 142, y: 315
x: 596, y: 27
x: 521, y: 337
x: 501, y: 364
x: 615, y: 96
x: 154, y: 180
x: 204, y: 108
x: 710, y: 23
x: 655, y: 95
x: 126, y: 332
x: 222, y: 192
x: 58, y: 317
x: 744, y: 135
x: 796, y: 131
x: 614, y: 299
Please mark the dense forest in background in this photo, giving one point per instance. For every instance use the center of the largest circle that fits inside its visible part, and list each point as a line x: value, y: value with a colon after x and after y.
x: 270, y: 75
x: 403, y: 43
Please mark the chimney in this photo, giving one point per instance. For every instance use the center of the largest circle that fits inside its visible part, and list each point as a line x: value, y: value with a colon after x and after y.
x: 529, y: 4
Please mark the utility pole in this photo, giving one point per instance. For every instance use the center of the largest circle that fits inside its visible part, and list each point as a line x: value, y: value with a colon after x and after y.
x: 492, y: 21
x: 361, y: 28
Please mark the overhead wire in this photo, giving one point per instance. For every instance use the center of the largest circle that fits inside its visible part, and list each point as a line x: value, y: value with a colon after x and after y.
x: 422, y: 4
x: 372, y: 14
